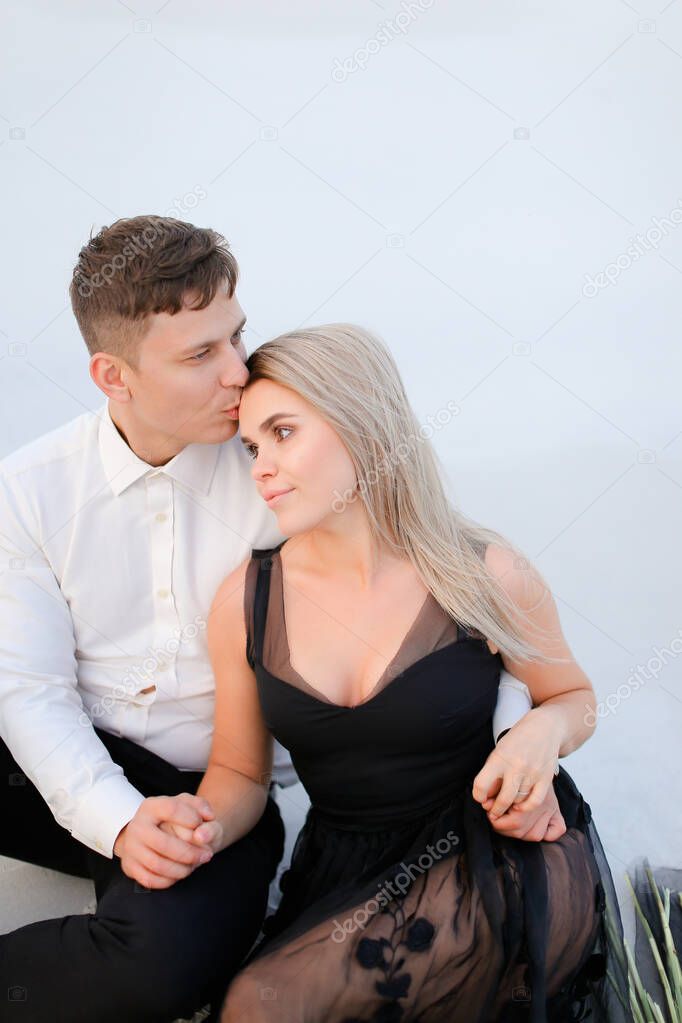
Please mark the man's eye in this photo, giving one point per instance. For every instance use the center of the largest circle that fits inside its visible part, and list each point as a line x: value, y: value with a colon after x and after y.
x: 238, y: 337
x: 200, y: 355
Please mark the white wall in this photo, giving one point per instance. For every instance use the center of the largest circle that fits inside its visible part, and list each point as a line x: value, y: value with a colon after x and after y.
x: 452, y: 194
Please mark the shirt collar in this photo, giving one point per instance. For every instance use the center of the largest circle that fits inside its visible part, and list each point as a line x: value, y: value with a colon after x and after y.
x: 194, y: 466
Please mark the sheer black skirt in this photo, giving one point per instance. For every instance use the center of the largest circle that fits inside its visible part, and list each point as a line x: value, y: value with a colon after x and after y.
x: 439, y: 920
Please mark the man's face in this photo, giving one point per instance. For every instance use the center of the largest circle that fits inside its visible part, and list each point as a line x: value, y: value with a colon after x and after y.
x: 191, y: 373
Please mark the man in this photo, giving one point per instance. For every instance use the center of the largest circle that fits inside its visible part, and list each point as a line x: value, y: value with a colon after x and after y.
x: 115, y: 533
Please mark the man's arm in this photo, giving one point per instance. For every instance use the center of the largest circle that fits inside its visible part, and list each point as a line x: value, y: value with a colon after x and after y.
x: 42, y: 719
x: 513, y: 703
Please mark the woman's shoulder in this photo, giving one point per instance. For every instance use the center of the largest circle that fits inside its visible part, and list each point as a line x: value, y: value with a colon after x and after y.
x: 232, y: 605
x: 519, y: 576
x: 234, y: 585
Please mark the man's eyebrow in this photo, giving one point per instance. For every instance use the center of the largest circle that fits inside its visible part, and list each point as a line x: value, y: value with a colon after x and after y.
x: 204, y: 344
x: 267, y: 423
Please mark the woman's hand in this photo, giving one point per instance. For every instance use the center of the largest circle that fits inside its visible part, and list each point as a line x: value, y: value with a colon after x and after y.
x: 545, y: 824
x: 521, y: 768
x: 208, y: 835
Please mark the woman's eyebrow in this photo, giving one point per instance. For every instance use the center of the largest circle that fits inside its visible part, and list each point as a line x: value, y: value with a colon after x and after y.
x: 267, y: 423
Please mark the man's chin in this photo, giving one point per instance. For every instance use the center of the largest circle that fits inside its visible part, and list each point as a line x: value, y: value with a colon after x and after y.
x: 216, y: 433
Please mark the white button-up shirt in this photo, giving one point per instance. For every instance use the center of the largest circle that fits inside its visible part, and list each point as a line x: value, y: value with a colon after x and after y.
x: 108, y: 568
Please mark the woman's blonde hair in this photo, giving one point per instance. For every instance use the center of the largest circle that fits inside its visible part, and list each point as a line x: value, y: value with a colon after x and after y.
x: 349, y: 376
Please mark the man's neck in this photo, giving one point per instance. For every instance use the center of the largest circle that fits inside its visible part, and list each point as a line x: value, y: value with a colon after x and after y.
x: 155, y: 450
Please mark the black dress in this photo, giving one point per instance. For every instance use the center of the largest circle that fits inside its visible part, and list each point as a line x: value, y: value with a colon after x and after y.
x: 401, y: 902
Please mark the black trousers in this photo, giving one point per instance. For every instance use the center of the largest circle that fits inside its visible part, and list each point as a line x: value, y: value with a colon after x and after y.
x: 145, y: 956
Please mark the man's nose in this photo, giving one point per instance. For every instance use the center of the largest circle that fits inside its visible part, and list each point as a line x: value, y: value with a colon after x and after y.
x: 234, y: 372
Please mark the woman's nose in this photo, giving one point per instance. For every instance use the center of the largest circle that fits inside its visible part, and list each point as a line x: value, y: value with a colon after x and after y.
x: 262, y: 468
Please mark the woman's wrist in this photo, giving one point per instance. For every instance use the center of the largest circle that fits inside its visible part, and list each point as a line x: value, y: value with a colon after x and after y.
x: 556, y: 725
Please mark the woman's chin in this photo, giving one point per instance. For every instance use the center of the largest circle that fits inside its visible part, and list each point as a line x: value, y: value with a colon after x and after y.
x: 292, y: 523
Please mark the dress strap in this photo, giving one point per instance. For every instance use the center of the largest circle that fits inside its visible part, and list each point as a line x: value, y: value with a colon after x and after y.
x: 260, y: 601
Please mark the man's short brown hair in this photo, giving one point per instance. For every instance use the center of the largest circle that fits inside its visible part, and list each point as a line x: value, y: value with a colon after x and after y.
x: 144, y: 265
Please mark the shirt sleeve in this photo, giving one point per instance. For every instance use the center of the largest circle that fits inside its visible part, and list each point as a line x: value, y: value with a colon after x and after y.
x: 513, y: 702
x: 283, y: 771
x: 42, y: 719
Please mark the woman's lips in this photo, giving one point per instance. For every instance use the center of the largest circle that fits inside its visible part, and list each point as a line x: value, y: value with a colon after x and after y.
x: 277, y: 497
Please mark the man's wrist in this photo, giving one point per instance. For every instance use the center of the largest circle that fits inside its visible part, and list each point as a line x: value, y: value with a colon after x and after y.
x: 103, y: 812
x: 118, y: 844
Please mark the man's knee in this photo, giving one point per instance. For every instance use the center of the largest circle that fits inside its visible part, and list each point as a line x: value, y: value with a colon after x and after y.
x: 155, y: 977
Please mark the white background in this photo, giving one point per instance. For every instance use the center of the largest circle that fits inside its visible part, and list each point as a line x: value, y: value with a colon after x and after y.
x: 452, y: 194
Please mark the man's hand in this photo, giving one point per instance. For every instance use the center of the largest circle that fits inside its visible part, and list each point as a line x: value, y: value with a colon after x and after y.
x: 153, y: 856
x: 544, y: 824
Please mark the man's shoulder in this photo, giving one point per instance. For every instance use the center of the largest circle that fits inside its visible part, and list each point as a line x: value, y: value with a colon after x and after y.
x: 62, y: 442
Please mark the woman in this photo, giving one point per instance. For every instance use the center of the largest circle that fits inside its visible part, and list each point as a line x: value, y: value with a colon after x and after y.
x: 370, y: 644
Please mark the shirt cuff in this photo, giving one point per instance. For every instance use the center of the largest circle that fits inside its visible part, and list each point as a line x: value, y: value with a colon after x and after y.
x: 514, y: 702
x: 104, y: 811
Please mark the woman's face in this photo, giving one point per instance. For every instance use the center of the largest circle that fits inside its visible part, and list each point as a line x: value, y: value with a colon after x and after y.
x: 300, y: 464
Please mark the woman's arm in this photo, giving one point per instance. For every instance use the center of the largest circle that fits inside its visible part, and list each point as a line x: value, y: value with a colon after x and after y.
x: 563, y: 692
x: 237, y: 778
x: 564, y: 713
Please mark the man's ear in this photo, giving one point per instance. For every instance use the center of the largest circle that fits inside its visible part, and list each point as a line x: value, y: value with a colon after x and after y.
x: 109, y: 373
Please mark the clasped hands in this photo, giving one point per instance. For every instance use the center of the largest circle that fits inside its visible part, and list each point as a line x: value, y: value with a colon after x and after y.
x: 514, y: 786
x: 167, y: 839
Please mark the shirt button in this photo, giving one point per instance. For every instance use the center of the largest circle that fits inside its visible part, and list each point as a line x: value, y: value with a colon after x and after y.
x: 163, y: 594
x: 161, y: 517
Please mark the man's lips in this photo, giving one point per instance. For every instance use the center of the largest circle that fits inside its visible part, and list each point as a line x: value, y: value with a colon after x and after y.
x: 233, y: 412
x: 273, y: 496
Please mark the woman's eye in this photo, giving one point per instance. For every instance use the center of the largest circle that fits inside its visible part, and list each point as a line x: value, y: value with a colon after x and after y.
x: 277, y: 429
x: 251, y: 450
